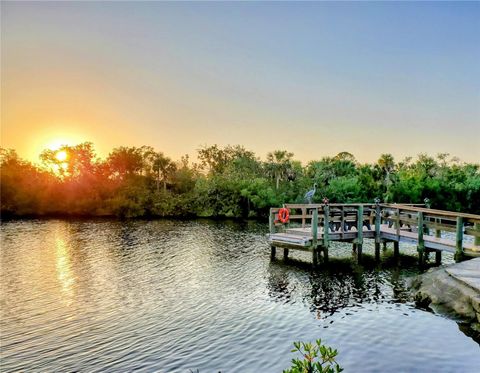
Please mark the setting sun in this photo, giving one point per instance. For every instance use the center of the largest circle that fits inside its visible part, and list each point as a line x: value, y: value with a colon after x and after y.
x: 61, y: 155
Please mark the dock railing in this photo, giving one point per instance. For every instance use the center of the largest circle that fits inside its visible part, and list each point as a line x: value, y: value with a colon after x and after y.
x: 437, y: 225
x: 429, y: 229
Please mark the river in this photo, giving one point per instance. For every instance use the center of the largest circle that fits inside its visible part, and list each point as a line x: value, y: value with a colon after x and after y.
x: 174, y: 296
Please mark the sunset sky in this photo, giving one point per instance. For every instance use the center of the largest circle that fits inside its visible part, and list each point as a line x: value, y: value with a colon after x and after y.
x: 313, y: 78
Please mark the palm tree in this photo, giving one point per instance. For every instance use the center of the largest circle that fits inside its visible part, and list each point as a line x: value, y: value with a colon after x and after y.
x: 279, y: 163
x: 386, y: 163
x: 163, y: 167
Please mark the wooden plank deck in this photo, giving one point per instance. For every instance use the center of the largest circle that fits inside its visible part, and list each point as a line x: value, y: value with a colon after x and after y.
x: 303, y: 237
x: 293, y: 239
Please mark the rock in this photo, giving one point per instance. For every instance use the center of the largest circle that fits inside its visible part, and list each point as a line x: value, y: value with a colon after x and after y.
x: 453, y: 289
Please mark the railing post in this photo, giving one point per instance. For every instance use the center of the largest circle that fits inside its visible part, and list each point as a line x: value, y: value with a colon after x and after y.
x: 271, y: 222
x: 377, y: 230
x: 427, y: 205
x: 397, y: 223
x: 314, y: 236
x: 360, y: 224
x: 359, y: 240
x: 459, y: 240
x: 476, y: 240
x: 314, y: 226
x: 304, y: 213
x: 396, y: 244
x: 271, y: 225
x: 438, y: 232
x: 421, y: 242
x: 326, y: 225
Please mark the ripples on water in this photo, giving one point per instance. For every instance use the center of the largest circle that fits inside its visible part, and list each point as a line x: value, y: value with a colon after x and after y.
x: 170, y: 296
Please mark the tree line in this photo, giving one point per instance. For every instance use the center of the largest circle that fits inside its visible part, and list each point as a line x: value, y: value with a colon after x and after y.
x: 226, y: 181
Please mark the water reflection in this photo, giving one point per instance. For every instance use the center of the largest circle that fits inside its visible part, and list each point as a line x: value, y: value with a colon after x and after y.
x: 64, y: 270
x: 105, y: 295
x: 341, y: 284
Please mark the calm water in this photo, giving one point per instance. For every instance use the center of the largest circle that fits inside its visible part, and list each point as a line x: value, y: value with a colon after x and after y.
x: 170, y: 296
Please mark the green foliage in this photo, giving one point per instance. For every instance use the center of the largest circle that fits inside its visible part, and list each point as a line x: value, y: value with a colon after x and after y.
x: 132, y: 199
x: 344, y: 189
x: 127, y: 161
x: 279, y: 166
x: 316, y: 358
x: 228, y: 182
x: 217, y: 160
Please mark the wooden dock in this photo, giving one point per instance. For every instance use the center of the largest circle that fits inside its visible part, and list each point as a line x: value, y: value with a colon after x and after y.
x: 312, y: 227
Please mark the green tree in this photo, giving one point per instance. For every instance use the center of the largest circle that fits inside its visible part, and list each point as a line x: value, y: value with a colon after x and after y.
x: 26, y: 189
x: 279, y: 165
x: 79, y: 160
x: 215, y: 160
x: 386, y: 164
x: 126, y: 161
x: 163, y: 168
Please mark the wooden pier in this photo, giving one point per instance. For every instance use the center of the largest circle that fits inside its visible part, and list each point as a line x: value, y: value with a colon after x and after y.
x: 312, y: 227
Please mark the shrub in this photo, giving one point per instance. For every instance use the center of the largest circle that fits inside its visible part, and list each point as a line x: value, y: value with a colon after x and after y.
x: 317, y: 358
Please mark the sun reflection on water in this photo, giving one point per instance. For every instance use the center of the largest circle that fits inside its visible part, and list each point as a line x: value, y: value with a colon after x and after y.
x: 65, y: 275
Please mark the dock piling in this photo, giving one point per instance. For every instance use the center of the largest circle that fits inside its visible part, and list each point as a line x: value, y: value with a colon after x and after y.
x: 459, y: 240
x: 359, y: 239
x: 420, y: 242
x: 377, y: 251
x: 273, y: 252
x: 396, y: 249
x: 476, y: 240
x: 378, y: 218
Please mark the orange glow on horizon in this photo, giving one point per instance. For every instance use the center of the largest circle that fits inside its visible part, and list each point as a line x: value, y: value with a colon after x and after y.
x: 51, y: 139
x: 58, y: 143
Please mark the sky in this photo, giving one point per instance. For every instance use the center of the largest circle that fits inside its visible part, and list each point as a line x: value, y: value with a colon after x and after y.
x: 313, y: 78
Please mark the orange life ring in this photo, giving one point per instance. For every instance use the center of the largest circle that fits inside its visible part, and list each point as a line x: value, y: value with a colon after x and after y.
x: 283, y: 215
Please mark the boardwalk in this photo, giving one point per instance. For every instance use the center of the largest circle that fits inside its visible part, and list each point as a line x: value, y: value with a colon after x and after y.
x: 313, y: 227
